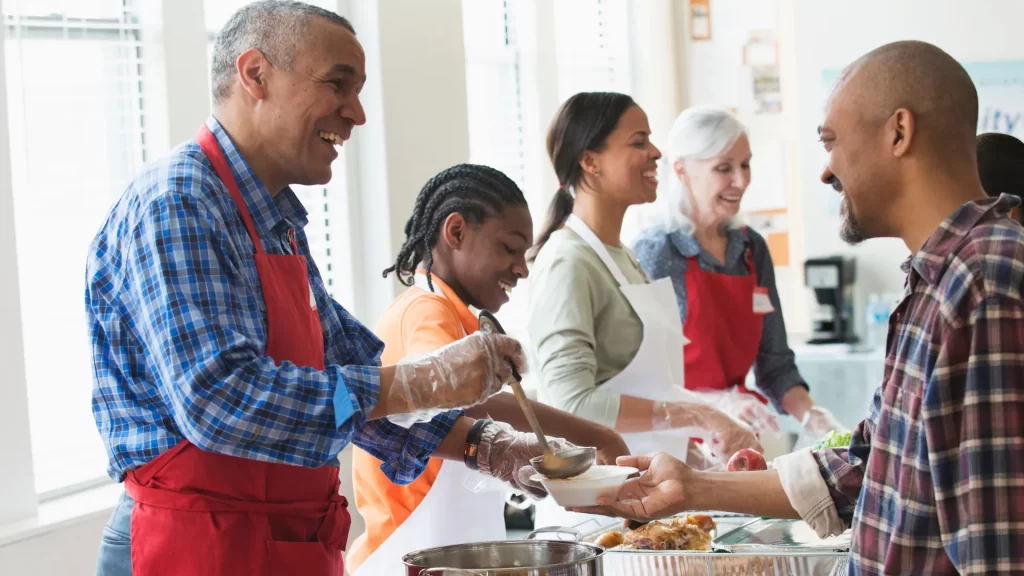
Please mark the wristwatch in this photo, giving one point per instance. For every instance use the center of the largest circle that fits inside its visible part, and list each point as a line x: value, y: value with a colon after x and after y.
x: 476, y: 431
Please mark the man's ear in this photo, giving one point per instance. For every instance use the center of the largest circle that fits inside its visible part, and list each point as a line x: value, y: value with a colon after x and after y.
x: 900, y: 132
x: 453, y: 230
x: 253, y: 69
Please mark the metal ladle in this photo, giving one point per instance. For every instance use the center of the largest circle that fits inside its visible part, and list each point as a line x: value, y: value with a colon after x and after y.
x: 564, y: 464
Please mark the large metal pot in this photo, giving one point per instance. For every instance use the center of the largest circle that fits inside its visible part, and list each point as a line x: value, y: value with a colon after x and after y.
x: 529, y: 557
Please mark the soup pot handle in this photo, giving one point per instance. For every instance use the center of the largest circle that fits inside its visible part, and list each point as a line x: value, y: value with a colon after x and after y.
x: 576, y: 536
x: 443, y: 571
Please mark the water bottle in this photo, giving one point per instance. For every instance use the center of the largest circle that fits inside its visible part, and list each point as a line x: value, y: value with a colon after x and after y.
x: 876, y: 320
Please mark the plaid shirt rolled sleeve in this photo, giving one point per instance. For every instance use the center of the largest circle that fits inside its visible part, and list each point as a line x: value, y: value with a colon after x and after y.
x: 933, y: 482
x: 178, y: 327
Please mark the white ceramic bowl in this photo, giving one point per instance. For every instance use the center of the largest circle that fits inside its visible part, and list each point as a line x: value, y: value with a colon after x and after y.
x: 585, y: 489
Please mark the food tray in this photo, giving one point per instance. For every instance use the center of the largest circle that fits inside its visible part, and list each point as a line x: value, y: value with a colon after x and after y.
x: 648, y: 563
x: 742, y: 545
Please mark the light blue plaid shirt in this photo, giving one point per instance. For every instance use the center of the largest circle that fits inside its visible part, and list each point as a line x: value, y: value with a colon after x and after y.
x: 178, y: 328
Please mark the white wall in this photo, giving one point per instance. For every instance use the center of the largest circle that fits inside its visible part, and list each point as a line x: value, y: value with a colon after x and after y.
x: 415, y: 100
x: 67, y: 551
x: 174, y: 49
x: 830, y: 35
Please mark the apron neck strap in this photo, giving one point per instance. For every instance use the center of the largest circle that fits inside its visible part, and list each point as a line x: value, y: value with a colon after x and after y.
x: 748, y: 253
x: 211, y: 148
x: 581, y: 229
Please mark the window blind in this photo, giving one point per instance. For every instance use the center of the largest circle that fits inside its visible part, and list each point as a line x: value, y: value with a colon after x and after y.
x: 493, y: 88
x: 592, y: 46
x: 77, y: 132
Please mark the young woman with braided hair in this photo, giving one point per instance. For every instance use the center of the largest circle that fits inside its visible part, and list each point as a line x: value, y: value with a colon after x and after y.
x: 465, y: 249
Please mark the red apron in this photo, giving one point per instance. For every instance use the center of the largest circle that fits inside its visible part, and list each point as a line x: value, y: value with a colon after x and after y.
x: 722, y: 326
x: 197, y: 512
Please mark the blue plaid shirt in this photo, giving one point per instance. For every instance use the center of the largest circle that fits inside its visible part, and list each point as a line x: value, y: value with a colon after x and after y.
x: 178, y: 328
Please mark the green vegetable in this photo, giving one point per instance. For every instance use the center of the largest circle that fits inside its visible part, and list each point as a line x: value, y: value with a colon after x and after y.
x: 834, y: 440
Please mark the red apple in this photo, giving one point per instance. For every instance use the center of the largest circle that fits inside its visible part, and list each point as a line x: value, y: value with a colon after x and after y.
x: 747, y: 460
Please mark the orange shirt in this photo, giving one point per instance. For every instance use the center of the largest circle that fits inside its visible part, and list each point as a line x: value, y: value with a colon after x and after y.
x: 417, y: 322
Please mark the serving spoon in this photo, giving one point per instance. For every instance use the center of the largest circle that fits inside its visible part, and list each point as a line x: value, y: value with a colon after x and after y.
x: 564, y: 463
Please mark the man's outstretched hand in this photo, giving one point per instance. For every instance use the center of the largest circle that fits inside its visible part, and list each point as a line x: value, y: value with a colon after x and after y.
x: 658, y: 491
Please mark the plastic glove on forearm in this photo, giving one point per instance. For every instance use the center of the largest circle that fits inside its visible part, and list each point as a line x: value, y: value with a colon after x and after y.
x: 459, y: 375
x: 818, y: 421
x: 745, y: 407
x: 728, y: 435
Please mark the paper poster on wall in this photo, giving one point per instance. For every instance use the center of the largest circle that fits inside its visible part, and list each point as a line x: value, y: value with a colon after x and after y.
x: 774, y: 226
x: 1000, y: 85
x: 700, y: 20
x: 760, y: 55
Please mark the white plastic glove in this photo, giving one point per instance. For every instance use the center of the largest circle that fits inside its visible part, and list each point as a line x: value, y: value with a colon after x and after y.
x: 744, y: 406
x: 505, y: 454
x: 700, y: 457
x: 818, y: 421
x: 458, y: 375
x: 728, y: 435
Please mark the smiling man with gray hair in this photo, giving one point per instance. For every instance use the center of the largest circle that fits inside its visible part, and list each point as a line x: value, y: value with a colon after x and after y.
x: 227, y: 380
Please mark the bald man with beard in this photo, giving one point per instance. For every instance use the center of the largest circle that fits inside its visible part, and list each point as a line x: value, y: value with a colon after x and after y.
x: 933, y: 480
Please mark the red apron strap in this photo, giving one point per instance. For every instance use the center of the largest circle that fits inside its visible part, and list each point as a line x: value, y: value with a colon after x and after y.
x: 295, y: 245
x: 212, y: 149
x: 748, y: 255
x: 197, y: 502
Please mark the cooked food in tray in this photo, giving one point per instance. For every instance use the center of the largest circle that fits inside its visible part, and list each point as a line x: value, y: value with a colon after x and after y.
x: 680, y: 533
x: 609, y: 539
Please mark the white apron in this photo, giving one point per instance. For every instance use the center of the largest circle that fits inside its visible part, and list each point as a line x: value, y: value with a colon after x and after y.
x: 655, y: 373
x: 449, y: 514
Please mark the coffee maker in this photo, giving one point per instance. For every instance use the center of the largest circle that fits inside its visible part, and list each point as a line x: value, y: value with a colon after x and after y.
x: 831, y: 280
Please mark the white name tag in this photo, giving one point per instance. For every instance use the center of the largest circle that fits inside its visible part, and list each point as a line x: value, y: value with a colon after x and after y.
x: 762, y: 303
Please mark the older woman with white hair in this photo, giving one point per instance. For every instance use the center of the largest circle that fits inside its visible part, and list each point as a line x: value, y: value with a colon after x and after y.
x: 723, y: 276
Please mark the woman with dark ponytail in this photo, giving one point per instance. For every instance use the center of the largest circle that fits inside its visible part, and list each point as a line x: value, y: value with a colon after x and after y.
x: 465, y: 248
x: 609, y: 341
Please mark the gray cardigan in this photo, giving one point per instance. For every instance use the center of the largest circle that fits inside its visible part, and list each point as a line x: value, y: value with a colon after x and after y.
x: 663, y: 253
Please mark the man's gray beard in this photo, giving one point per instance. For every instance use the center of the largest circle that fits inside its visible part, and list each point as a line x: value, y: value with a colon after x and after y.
x: 849, y: 228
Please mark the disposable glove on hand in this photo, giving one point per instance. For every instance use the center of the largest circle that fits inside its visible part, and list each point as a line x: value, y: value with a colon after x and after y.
x: 743, y: 406
x: 819, y: 421
x: 505, y: 454
x: 459, y: 375
x: 727, y: 434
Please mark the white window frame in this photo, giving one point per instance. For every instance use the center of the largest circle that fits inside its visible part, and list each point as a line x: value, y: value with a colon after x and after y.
x: 18, y: 486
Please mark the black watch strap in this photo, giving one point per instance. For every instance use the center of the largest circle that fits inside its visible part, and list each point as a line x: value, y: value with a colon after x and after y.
x: 476, y: 431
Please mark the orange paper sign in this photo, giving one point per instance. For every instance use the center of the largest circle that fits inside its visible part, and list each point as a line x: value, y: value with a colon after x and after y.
x: 700, y: 20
